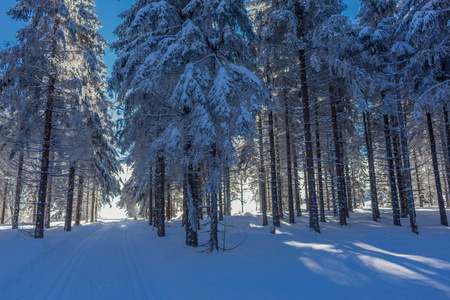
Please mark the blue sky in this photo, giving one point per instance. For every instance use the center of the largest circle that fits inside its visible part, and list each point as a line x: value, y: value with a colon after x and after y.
x: 107, y: 11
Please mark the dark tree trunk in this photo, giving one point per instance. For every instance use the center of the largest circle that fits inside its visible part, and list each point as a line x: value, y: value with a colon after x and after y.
x: 338, y: 159
x: 313, y: 214
x: 191, y: 200
x: 86, y: 216
x: 333, y: 191
x: 305, y: 185
x: 348, y: 187
x: 68, y: 220
x: 18, y: 194
x: 79, y: 200
x: 437, y: 178
x: 398, y: 159
x: 390, y: 159
x: 447, y: 156
x: 419, y: 184
x: 289, y: 162
x: 298, y: 207
x: 372, y: 175
x: 319, y: 168
x: 273, y: 174
x: 278, y: 168
x: 93, y: 200
x: 228, y: 189
x: 49, y: 203
x: 5, y: 195
x: 159, y: 194
x: 262, y: 175
x: 220, y: 203
x: 407, y: 170
x: 213, y: 238
x: 96, y: 210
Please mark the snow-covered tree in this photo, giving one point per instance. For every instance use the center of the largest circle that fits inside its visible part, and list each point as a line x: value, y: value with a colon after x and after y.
x: 183, y: 75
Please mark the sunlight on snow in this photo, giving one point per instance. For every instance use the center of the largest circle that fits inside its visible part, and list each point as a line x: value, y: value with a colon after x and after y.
x: 398, y: 272
x: 323, y: 247
x: 113, y: 212
x: 435, y: 263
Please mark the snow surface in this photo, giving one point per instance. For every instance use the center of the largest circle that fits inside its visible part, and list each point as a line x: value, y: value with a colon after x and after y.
x: 124, y: 259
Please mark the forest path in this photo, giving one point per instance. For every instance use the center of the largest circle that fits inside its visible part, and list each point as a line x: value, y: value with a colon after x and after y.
x: 101, y: 264
x: 125, y: 259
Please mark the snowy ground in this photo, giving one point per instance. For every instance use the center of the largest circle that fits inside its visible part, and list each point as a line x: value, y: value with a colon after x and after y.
x: 124, y: 259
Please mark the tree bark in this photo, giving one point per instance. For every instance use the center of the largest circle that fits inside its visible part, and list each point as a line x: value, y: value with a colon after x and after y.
x: 68, y: 220
x: 18, y: 194
x: 273, y: 174
x: 86, y: 216
x: 447, y: 156
x: 319, y: 168
x: 278, y: 168
x: 298, y: 207
x: 49, y: 203
x: 407, y: 171
x: 79, y: 200
x: 5, y: 195
x: 160, y: 170
x: 370, y: 159
x: 213, y: 238
x: 437, y: 178
x: 289, y: 161
x: 338, y: 159
x: 262, y: 174
x: 313, y: 214
x: 390, y: 159
x: 93, y: 200
x: 398, y: 160
x: 419, y: 185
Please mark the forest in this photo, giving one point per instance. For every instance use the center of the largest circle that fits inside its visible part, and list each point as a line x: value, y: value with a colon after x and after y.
x: 214, y: 104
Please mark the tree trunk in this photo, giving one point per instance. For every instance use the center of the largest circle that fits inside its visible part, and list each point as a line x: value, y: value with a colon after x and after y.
x: 419, y: 185
x: 18, y: 194
x: 437, y: 178
x: 319, y: 168
x: 68, y: 220
x: 5, y: 195
x: 279, y: 179
x: 338, y: 160
x: 214, y: 182
x: 313, y: 214
x: 447, y: 156
x: 79, y: 200
x: 289, y: 161
x: 220, y: 203
x: 372, y: 175
x: 191, y: 200
x: 407, y: 171
x: 398, y: 159
x: 262, y: 175
x: 49, y: 203
x: 273, y: 174
x: 298, y: 207
x: 160, y: 170
x: 390, y: 159
x: 228, y: 188
x: 93, y: 200
x: 86, y: 216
